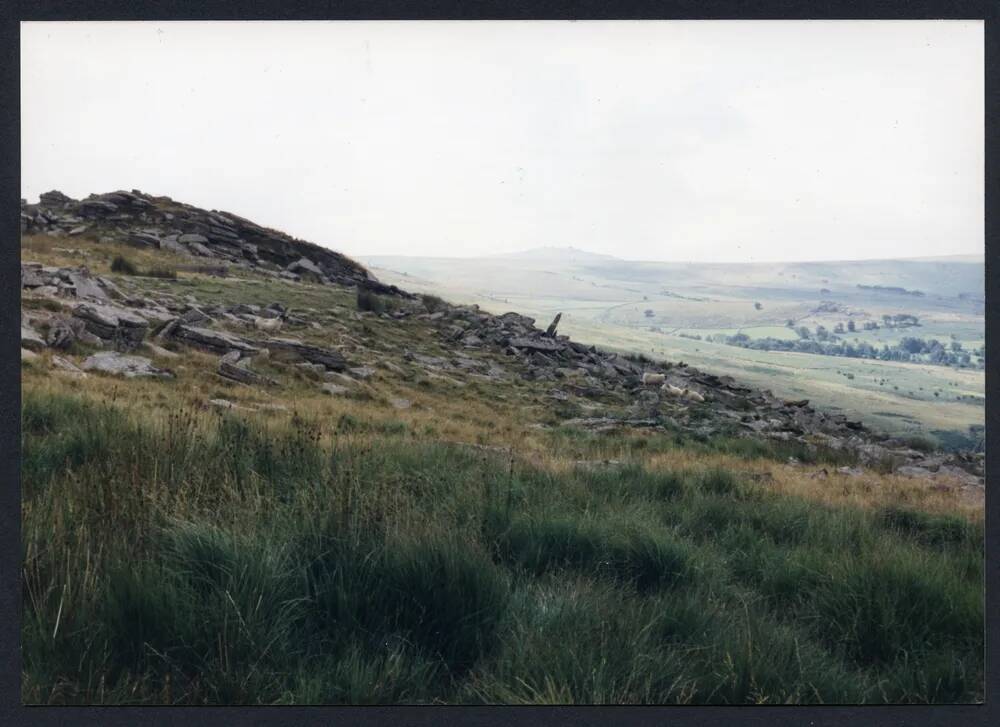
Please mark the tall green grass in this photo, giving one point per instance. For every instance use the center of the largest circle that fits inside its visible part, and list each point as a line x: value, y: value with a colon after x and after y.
x: 578, y: 442
x: 216, y: 559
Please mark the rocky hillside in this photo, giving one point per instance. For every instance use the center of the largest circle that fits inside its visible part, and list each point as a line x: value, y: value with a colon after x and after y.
x: 211, y: 237
x: 131, y: 325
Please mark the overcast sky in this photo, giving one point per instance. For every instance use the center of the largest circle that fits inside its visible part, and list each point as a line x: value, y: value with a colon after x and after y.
x: 691, y: 140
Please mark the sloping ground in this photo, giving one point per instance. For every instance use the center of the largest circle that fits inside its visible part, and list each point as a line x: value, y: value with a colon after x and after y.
x: 252, y: 488
x: 211, y: 237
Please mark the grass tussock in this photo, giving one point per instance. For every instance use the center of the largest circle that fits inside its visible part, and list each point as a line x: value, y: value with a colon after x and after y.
x: 124, y: 266
x: 368, y: 300
x: 200, y: 557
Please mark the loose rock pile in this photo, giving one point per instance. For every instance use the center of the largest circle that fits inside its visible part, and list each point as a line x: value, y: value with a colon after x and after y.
x: 66, y: 282
x: 115, y: 326
x: 161, y: 223
x: 677, y: 396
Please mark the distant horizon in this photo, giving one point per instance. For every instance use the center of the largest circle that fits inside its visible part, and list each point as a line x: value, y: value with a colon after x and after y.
x: 347, y: 250
x: 762, y: 141
x: 574, y: 248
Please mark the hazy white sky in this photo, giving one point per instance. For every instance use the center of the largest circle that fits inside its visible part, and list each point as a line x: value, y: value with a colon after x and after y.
x: 689, y: 140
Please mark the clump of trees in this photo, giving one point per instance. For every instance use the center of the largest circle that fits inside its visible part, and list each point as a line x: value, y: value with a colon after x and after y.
x: 912, y: 349
x: 892, y: 289
x: 900, y: 320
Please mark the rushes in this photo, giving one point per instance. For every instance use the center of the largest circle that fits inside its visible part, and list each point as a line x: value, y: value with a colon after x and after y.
x: 203, y: 558
x: 124, y: 266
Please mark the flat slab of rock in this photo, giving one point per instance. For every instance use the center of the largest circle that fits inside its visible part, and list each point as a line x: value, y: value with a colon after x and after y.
x: 428, y: 362
x: 112, y: 362
x: 67, y: 367
x: 226, y: 404
x: 329, y: 358
x: 537, y: 344
x: 957, y: 473
x: 608, y: 422
x: 335, y: 389
x: 361, y: 372
x: 850, y: 471
x: 339, y: 378
x: 212, y: 340
x: 304, y: 265
x: 85, y: 286
x: 231, y: 367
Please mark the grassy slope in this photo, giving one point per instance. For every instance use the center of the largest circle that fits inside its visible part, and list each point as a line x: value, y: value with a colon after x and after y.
x: 345, y: 551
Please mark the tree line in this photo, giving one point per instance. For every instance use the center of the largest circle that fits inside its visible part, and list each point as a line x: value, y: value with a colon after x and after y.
x: 908, y: 348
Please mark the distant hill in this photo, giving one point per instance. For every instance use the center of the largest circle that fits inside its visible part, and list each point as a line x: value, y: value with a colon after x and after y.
x: 563, y: 255
x: 945, y: 276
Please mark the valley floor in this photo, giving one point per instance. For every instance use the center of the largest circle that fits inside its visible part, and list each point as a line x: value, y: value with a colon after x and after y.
x: 891, y: 396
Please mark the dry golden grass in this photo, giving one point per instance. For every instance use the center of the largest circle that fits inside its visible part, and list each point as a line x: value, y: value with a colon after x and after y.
x: 454, y: 414
x: 95, y: 256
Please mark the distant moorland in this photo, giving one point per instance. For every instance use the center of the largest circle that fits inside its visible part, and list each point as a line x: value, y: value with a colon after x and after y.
x: 898, y: 343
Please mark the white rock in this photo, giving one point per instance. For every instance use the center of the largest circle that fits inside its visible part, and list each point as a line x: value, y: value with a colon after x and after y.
x: 67, y: 367
x: 112, y: 362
